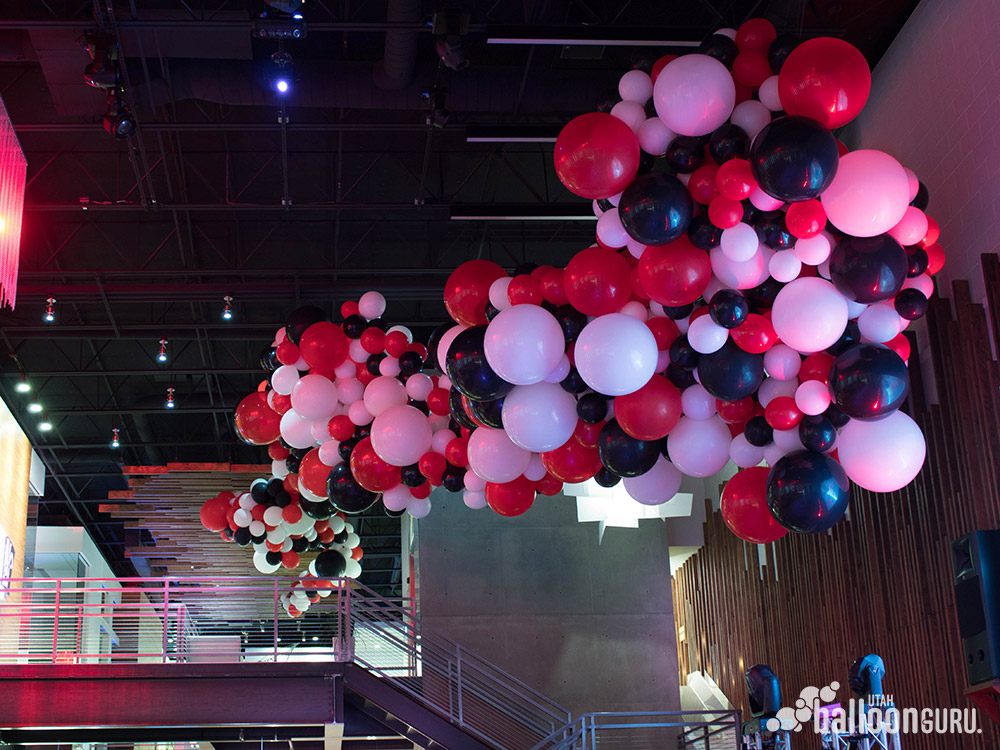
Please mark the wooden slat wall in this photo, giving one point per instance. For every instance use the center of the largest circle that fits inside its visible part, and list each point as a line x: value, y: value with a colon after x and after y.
x: 881, y: 581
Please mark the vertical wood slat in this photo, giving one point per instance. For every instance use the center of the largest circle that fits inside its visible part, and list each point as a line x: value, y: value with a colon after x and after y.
x: 882, y: 581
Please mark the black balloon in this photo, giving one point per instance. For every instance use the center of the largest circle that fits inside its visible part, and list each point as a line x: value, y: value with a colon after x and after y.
x: 410, y: 363
x: 836, y: 416
x: 762, y: 296
x: 453, y: 478
x: 272, y: 557
x: 320, y: 511
x: 393, y: 513
x: 680, y: 377
x: 850, y: 337
x: 721, y: 47
x: 807, y: 492
x: 605, y: 478
x: 573, y: 383
x: 685, y: 154
x: 679, y: 313
x: 300, y: 545
x: 227, y: 534
x: 468, y: 369
x: 570, y: 320
x: 488, y: 412
x: 817, y: 433
x: 758, y: 432
x: 292, y: 463
x: 346, y: 494
x: 275, y: 485
x: 282, y: 499
x: 622, y: 454
x: 730, y: 373
x: 592, y: 408
x: 655, y: 208
x: 269, y: 359
x: 728, y: 308
x: 410, y: 475
x: 772, y: 230
x: 916, y: 260
x: 703, y: 234
x: 346, y: 446
x: 330, y: 564
x: 683, y: 354
x: 458, y: 412
x: 911, y: 304
x: 922, y: 197
x: 780, y: 49
x: 258, y: 491
x: 300, y: 320
x: 794, y: 158
x: 729, y: 142
x: 432, y: 344
x: 354, y: 326
x: 373, y: 362
x: 868, y: 269
x: 242, y: 536
x: 378, y: 323
x: 491, y: 311
x: 869, y: 381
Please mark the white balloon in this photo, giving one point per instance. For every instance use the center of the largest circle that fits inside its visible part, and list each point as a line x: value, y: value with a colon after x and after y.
x: 809, y: 314
x: 419, y: 507
x: 419, y: 386
x: 242, y: 518
x: 246, y: 501
x: 752, y: 116
x: 784, y: 266
x: 697, y: 403
x: 358, y: 414
x: 782, y: 362
x: 337, y: 524
x: 699, y: 447
x: 371, y: 305
x: 446, y: 341
x: 524, y: 343
x: 869, y: 193
x: 356, y: 352
x: 382, y: 393
x: 694, y: 94
x: 773, y: 453
x: 350, y: 390
x: 610, y: 230
x: 616, y: 354
x: 539, y: 417
x: 389, y: 367
x: 272, y: 516
x: 654, y: 136
x: 740, y: 242
x: 635, y: 309
x: 279, y: 469
x: 314, y: 397
x: 632, y: 114
x: 397, y: 498
x: 741, y: 275
x: 283, y: 379
x: 706, y: 336
x: 879, y: 323
x: 345, y: 369
x: 788, y: 439
x: 440, y: 440
x: 854, y: 309
x: 498, y: 293
x: 763, y: 201
x: 923, y: 282
x: 884, y: 455
x: 771, y: 388
x: 768, y: 94
x: 635, y: 86
x: 656, y: 486
x: 495, y: 457
x: 560, y: 371
x: 812, y: 397
x: 260, y: 562
x: 535, y: 471
x: 743, y: 454
x: 295, y: 430
x: 474, y: 500
x: 256, y: 528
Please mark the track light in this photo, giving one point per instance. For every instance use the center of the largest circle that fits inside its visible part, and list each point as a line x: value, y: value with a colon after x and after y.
x: 162, y: 356
x: 118, y: 120
x: 50, y: 313
x: 23, y: 386
x: 227, y: 311
x: 34, y: 407
x: 114, y: 438
x: 170, y: 397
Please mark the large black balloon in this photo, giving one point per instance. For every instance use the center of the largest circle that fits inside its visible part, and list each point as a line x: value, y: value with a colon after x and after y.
x: 330, y: 564
x: 730, y: 373
x: 807, y: 491
x: 468, y: 369
x: 622, y: 454
x: 300, y: 320
x: 346, y: 494
x: 869, y: 381
x: 432, y: 344
x: 655, y: 208
x: 868, y: 269
x: 488, y: 412
x: 794, y: 158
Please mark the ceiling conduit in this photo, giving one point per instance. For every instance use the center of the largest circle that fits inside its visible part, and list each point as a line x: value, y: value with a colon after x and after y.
x: 398, y: 64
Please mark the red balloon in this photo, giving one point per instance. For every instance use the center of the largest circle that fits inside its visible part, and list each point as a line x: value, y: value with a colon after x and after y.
x: 935, y: 258
x: 664, y: 331
x: 751, y: 68
x: 287, y: 353
x: 735, y: 181
x: 702, y: 184
x: 213, y: 514
x: 675, y: 274
x: 291, y: 513
x: 548, y: 485
x: 432, y: 466
x: 256, y: 422
x: 324, y: 345
x: 357, y: 553
x: 511, y: 498
x: 370, y: 471
x: 826, y: 79
x: 755, y: 34
x: 900, y: 345
x: 596, y: 155
x: 724, y: 212
x: 313, y: 473
x: 467, y: 291
x: 421, y: 491
x: 933, y: 233
x: 456, y: 452
x: 349, y: 308
x: 524, y: 290
x: 396, y: 343
x: 816, y: 367
x: 572, y: 462
x: 651, y: 412
x: 805, y: 219
x: 586, y: 434
x: 755, y: 335
x: 744, y: 507
x: 257, y: 511
x: 290, y: 559
x: 277, y: 452
x: 553, y: 289
x: 597, y: 281
x: 373, y: 340
x: 437, y: 402
x: 660, y: 64
x: 341, y: 428
x: 782, y: 413
x: 735, y: 412
x: 280, y: 403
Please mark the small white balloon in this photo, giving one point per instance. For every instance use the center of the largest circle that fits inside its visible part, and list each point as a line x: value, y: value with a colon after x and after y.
x: 752, y: 116
x: 788, y: 439
x: 474, y: 500
x: 879, y: 324
x: 654, y: 136
x: 498, y: 293
x: 706, y: 336
x: 768, y: 94
x: 635, y: 86
x: 419, y: 507
x: 771, y: 388
x: 740, y: 242
x: 697, y: 403
x: 812, y: 397
x: 371, y: 305
x: 782, y: 362
x: 784, y: 266
x: 632, y: 114
x: 763, y: 201
x: 743, y: 454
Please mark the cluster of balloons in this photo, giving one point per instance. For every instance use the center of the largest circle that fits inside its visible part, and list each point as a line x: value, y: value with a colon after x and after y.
x: 273, y: 519
x: 745, y: 299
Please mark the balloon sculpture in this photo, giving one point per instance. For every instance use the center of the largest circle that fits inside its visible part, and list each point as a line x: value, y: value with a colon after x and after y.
x: 744, y: 301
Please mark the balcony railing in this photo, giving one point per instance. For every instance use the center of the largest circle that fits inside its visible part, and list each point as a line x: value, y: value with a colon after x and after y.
x: 659, y: 730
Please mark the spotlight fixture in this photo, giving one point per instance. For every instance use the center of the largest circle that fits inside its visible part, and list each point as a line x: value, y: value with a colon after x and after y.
x: 227, y: 311
x: 449, y: 27
x: 23, y: 386
x: 114, y: 437
x: 50, y: 313
x: 170, y: 397
x: 438, y: 115
x: 162, y: 356
x: 118, y: 120
x: 282, y: 72
x: 34, y: 407
x: 102, y: 72
x: 45, y: 425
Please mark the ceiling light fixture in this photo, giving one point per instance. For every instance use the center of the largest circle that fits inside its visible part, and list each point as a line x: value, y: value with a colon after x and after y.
x: 227, y: 311
x: 283, y: 73
x: 34, y: 407
x: 170, y: 397
x: 23, y: 386
x: 449, y: 27
x: 45, y: 425
x: 114, y: 437
x: 118, y: 120
x: 162, y: 356
x: 50, y: 313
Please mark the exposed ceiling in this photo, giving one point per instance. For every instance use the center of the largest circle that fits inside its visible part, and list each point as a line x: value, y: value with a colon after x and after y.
x: 140, y: 239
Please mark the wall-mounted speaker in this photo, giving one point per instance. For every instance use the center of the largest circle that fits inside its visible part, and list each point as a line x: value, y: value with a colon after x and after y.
x: 976, y: 564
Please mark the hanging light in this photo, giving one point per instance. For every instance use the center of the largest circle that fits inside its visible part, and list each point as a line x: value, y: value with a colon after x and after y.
x: 45, y: 425
x: 50, y: 313
x: 23, y: 386
x: 114, y: 437
x: 162, y: 356
x: 227, y: 311
x: 170, y: 397
x: 34, y: 407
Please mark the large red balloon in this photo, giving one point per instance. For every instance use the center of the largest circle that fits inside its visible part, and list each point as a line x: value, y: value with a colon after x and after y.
x: 596, y: 155
x: 213, y: 513
x: 744, y: 507
x: 651, y: 412
x: 313, y: 473
x: 826, y: 79
x: 467, y: 291
x: 370, y: 471
x: 572, y: 462
x: 597, y: 281
x: 511, y: 498
x: 675, y: 274
x: 256, y: 422
x: 324, y: 345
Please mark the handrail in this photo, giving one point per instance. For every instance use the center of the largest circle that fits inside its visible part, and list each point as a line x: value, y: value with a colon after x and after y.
x: 646, y: 729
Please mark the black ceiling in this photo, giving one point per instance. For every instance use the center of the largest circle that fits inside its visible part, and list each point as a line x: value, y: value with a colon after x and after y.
x: 140, y: 239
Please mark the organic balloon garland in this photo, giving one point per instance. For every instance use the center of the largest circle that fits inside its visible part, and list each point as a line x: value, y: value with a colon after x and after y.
x: 745, y: 299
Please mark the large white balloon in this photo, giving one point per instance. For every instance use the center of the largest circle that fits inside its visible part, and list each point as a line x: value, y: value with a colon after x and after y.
x: 884, y: 455
x: 868, y: 195
x: 699, y: 447
x: 494, y: 457
x: 656, y: 486
x: 283, y: 379
x: 524, y: 343
x: 694, y: 94
x: 295, y: 430
x: 539, y: 417
x: 314, y: 397
x: 616, y: 354
x: 809, y: 314
x: 401, y: 435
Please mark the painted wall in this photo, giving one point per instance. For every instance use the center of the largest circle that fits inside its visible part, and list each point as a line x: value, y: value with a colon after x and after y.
x: 591, y: 626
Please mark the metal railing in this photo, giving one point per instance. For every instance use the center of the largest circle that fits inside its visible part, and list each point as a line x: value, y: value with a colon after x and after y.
x: 186, y: 620
x: 658, y: 730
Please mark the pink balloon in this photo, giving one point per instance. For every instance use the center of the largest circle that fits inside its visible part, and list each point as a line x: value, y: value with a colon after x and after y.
x: 350, y: 390
x: 419, y: 386
x: 401, y: 435
x: 911, y: 228
x: 809, y: 315
x: 869, y: 194
x: 494, y: 457
x: 694, y: 94
x: 884, y: 455
x: 656, y: 486
x: 397, y: 498
x: 382, y: 393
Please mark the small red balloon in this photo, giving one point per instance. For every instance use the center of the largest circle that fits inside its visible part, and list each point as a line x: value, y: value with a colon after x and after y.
x: 664, y: 331
x: 277, y: 452
x: 702, y: 184
x: 437, y: 402
x: 287, y: 353
x: 782, y: 413
x: 744, y: 507
x: 900, y: 345
x: 396, y: 343
x: 456, y: 452
x: 935, y: 258
x: 341, y: 427
x: 213, y: 514
x: 290, y: 559
x: 596, y: 155
x: 735, y: 181
x: 548, y: 485
x: 349, y: 308
x: 660, y: 64
x: 751, y: 68
x: 735, y: 412
x: 805, y: 219
x: 724, y: 212
x: 933, y: 233
x: 755, y: 34
x: 816, y: 367
x: 511, y: 498
x: 552, y: 287
x: 432, y: 466
x: 373, y: 340
x: 291, y: 513
x: 572, y: 462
